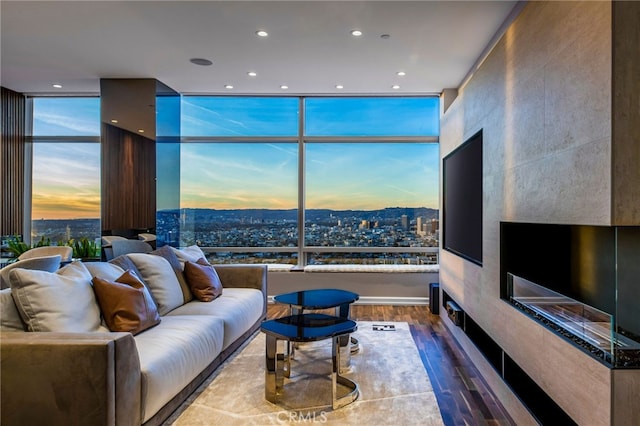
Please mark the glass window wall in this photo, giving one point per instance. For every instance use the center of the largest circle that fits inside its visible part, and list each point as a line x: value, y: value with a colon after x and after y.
x: 359, y: 183
x: 362, y: 178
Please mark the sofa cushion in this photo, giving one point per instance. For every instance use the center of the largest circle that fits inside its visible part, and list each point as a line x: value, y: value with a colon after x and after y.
x: 56, y: 301
x: 203, y: 280
x: 125, y: 303
x: 239, y: 308
x: 9, y: 316
x: 173, y: 353
x: 168, y: 253
x: 161, y: 280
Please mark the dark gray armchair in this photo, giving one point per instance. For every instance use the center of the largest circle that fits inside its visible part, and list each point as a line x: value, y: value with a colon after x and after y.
x: 44, y: 263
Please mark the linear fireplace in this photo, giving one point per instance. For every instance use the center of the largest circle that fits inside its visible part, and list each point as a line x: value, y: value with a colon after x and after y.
x: 581, y: 281
x: 588, y: 327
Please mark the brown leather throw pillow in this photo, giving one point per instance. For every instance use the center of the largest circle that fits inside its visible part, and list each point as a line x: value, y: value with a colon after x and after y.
x: 203, y: 280
x: 125, y: 303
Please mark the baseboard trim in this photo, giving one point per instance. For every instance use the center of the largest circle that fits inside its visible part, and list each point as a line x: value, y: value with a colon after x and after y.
x: 383, y: 300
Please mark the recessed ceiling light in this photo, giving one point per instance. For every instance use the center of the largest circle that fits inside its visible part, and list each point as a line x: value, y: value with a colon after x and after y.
x: 356, y: 33
x: 385, y: 36
x: 228, y: 86
x: 339, y: 86
x: 262, y: 33
x: 140, y: 130
x: 252, y: 73
x: 284, y: 87
x: 200, y: 61
x: 395, y: 87
x: 57, y: 86
x: 401, y: 73
x: 114, y: 121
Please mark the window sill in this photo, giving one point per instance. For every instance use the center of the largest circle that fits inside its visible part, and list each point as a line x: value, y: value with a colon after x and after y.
x: 356, y: 268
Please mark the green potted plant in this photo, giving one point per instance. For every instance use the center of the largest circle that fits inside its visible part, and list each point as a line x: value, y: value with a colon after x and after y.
x: 16, y: 246
x: 84, y: 248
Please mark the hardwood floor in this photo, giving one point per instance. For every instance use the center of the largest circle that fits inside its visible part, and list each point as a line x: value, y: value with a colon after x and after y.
x: 462, y: 394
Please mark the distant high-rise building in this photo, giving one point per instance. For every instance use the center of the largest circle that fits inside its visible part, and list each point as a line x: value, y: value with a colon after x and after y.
x: 404, y: 220
x: 435, y: 225
x: 420, y: 225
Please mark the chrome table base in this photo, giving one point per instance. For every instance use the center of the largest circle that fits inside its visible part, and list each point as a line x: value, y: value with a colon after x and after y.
x: 278, y: 366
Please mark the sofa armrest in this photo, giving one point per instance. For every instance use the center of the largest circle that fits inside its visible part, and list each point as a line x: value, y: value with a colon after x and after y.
x: 69, y: 379
x: 245, y: 276
x: 248, y: 276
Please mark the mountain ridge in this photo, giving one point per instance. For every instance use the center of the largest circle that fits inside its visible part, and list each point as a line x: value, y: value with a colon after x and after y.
x: 386, y: 213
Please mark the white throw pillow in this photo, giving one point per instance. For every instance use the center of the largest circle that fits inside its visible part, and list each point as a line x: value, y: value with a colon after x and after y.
x: 61, y: 301
x: 189, y: 254
x: 159, y: 276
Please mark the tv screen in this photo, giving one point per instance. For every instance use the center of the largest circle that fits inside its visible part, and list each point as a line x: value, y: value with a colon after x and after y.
x: 462, y: 200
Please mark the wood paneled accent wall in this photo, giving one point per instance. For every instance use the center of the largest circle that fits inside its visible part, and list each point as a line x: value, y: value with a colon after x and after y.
x: 12, y: 162
x: 128, y: 180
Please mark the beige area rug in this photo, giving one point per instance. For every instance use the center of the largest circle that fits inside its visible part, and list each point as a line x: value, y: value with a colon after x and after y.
x: 394, y: 386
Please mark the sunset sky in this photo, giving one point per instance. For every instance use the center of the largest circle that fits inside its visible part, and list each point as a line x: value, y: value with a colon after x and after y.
x: 339, y: 176
x: 66, y: 176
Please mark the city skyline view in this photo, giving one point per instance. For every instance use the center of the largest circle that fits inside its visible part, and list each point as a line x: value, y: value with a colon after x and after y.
x: 402, y: 230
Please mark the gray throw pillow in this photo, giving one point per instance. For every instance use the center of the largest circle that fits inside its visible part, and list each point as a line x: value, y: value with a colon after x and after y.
x: 189, y: 254
x: 160, y: 278
x: 104, y: 270
x: 168, y: 253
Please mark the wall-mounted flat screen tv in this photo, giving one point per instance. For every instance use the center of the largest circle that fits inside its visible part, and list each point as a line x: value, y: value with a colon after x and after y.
x: 462, y: 200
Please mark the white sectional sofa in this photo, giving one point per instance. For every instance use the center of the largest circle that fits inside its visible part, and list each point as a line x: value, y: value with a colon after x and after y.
x: 61, y: 365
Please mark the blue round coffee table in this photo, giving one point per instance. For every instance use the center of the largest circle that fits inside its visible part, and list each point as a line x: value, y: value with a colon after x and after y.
x: 323, y: 298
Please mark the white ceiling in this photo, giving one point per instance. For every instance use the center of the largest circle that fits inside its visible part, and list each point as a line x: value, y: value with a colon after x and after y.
x: 309, y: 48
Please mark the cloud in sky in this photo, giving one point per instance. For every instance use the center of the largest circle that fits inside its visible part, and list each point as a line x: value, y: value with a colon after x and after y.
x: 339, y: 176
x: 66, y: 116
x: 240, y: 175
x: 239, y: 116
x: 66, y: 180
x: 365, y: 176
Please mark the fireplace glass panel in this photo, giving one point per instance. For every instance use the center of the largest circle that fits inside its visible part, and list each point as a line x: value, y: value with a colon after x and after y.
x: 588, y: 327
